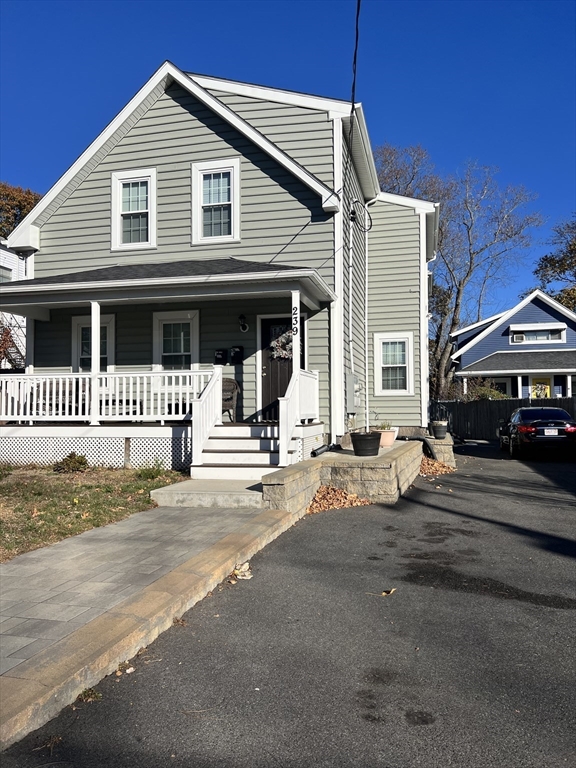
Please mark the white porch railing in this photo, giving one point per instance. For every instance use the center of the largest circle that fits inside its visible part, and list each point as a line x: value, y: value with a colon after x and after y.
x: 206, y: 412
x: 300, y: 403
x: 147, y: 396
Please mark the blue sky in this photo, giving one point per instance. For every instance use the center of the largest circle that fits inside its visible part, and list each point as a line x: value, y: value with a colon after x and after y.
x: 487, y: 80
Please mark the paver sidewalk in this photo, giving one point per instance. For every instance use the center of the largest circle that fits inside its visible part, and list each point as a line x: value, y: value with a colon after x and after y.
x: 70, y: 612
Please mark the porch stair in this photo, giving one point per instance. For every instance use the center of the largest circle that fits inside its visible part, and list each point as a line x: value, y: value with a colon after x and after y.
x: 241, y: 452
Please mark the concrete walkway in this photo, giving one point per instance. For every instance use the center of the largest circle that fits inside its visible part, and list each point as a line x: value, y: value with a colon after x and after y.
x: 71, y: 612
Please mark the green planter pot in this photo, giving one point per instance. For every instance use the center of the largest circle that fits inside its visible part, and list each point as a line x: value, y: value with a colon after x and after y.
x: 365, y: 443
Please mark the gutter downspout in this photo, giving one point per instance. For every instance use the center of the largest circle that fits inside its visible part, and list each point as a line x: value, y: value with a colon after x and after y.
x: 336, y: 362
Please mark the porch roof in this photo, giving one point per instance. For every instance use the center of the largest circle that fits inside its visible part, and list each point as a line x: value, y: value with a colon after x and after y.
x: 528, y: 361
x: 166, y: 281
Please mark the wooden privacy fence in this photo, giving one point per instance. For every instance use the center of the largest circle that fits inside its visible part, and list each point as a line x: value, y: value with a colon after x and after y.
x: 478, y: 420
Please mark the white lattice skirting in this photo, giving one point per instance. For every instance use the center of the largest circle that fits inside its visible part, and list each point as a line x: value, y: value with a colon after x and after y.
x: 112, y: 450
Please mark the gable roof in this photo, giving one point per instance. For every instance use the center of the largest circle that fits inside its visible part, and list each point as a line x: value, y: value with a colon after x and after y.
x: 26, y: 234
x: 479, y: 324
x: 501, y: 319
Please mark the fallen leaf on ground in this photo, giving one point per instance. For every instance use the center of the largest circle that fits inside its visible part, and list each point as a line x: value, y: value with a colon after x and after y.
x: 383, y: 594
x: 242, y: 571
x: 433, y: 467
x: 328, y: 497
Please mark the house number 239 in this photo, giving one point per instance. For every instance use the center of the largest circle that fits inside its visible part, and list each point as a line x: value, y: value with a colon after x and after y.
x: 295, y: 321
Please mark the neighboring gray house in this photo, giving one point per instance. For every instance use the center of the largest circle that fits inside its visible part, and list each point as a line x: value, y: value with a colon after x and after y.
x: 211, y: 227
x: 528, y: 351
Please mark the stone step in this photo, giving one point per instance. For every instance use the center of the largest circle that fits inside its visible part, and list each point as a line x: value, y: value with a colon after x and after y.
x: 232, y: 458
x: 237, y: 472
x: 245, y: 430
x: 232, y: 494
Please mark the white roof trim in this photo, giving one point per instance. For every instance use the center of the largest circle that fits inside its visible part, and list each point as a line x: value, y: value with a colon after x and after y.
x: 537, y: 326
x: 336, y: 107
x: 512, y: 374
x: 422, y: 206
x: 21, y: 236
x: 284, y: 275
x: 537, y: 294
x: 476, y: 325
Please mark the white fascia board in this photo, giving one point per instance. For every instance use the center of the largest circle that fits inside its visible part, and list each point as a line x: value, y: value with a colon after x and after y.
x: 249, y: 277
x: 421, y: 206
x: 362, y: 155
x: 508, y: 372
x: 23, y: 237
x: 476, y: 325
x: 536, y: 326
x: 334, y: 107
x: 537, y: 294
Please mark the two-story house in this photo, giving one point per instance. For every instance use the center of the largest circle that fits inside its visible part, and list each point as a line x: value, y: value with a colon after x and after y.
x: 218, y: 231
x: 528, y: 351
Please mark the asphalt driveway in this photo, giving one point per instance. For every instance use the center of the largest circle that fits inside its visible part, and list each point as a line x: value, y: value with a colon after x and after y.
x: 468, y: 662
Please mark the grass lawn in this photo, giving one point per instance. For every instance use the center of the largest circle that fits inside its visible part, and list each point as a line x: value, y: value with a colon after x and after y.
x: 39, y: 506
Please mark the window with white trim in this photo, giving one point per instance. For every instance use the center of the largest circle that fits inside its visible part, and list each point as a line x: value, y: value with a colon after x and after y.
x: 393, y: 364
x: 539, y: 333
x: 175, y: 340
x: 82, y: 343
x: 5, y: 274
x: 216, y: 201
x: 134, y: 209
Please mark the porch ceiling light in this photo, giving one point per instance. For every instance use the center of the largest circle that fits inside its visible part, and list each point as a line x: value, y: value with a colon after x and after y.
x: 243, y: 324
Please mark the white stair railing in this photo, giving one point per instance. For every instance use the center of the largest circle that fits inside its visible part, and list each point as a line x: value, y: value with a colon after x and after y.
x: 206, y: 413
x: 301, y: 402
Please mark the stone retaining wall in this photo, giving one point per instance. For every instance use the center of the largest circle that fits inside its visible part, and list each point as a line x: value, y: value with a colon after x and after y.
x: 382, y: 479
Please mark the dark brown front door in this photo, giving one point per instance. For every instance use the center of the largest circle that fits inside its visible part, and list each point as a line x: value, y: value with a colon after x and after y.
x: 276, y: 363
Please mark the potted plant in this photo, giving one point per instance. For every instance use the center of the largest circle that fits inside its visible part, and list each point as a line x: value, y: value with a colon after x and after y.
x: 439, y: 429
x: 387, y: 434
x: 365, y: 443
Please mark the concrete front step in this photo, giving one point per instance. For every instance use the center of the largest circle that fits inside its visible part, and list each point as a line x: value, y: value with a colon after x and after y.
x: 210, y: 493
x: 245, y: 430
x: 217, y: 443
x: 238, y: 472
x: 240, y: 456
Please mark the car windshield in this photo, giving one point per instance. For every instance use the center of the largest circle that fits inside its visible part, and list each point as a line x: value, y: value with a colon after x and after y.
x: 533, y: 414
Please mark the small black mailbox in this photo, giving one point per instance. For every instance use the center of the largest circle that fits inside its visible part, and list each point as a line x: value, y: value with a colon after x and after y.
x: 221, y: 357
x: 236, y: 355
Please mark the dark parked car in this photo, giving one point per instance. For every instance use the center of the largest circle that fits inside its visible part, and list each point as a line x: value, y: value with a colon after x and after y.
x: 533, y: 427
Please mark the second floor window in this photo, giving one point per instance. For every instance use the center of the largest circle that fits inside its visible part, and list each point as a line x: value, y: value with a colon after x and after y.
x: 133, y: 209
x: 216, y: 202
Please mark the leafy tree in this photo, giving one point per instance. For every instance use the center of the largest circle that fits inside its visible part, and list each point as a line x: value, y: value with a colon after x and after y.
x: 484, y: 231
x: 559, y: 267
x: 15, y: 204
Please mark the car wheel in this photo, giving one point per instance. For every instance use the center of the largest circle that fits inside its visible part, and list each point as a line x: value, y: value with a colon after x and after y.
x: 513, y: 449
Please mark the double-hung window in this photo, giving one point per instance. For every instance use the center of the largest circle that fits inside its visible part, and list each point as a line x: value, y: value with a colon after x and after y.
x: 134, y: 209
x: 82, y: 343
x: 393, y: 364
x: 175, y: 340
x: 215, y: 201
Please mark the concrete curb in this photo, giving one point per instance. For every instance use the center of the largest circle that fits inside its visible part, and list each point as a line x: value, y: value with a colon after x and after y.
x: 41, y: 687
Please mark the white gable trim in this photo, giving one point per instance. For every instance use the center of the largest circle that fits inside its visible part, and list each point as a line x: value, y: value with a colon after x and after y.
x: 537, y: 294
x: 334, y: 107
x: 476, y: 325
x: 421, y: 206
x: 23, y: 236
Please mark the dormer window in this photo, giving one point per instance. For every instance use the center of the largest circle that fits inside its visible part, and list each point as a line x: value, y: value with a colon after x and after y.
x: 544, y: 333
x: 134, y: 209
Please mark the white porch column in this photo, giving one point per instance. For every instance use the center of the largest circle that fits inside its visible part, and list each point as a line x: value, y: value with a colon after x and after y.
x: 94, y: 360
x: 464, y: 385
x: 520, y: 387
x: 30, y: 327
x: 296, y: 331
x: 568, y: 385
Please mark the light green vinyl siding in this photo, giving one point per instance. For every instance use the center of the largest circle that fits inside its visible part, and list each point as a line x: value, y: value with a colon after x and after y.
x: 281, y: 219
x: 394, y: 301
x: 304, y: 134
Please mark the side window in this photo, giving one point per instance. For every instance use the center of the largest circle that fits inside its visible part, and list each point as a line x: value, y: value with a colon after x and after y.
x: 216, y: 202
x: 393, y: 364
x: 133, y: 209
